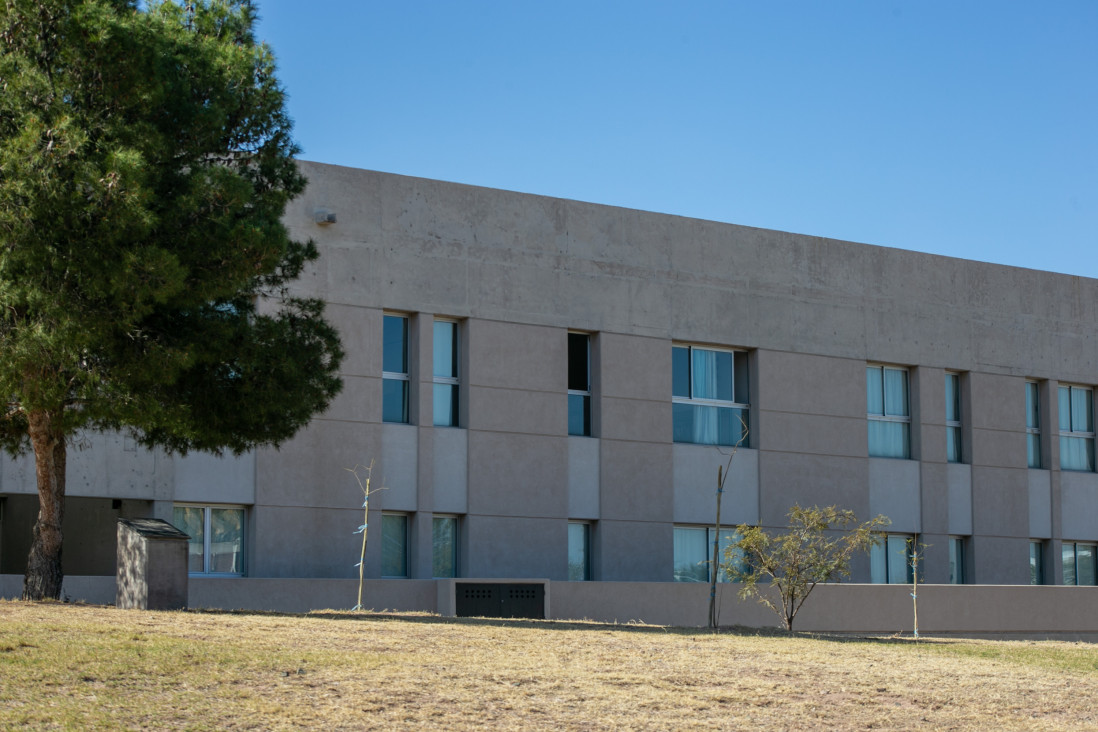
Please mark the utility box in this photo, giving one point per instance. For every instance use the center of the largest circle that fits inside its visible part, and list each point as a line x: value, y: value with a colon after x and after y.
x: 152, y: 565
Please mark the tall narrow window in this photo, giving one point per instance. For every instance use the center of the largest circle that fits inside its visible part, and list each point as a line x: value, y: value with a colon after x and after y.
x: 1076, y: 406
x: 217, y: 538
x: 395, y: 382
x: 446, y: 373
x: 579, y: 552
x: 1080, y: 567
x: 709, y: 395
x: 887, y: 411
x: 1036, y: 562
x: 394, y: 545
x: 956, y: 560
x: 1033, y: 425
x: 953, y: 417
x: 890, y: 561
x: 693, y: 553
x: 579, y: 384
x: 444, y: 546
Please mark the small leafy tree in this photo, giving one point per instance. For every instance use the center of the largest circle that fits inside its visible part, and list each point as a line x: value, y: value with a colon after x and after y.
x: 796, y: 561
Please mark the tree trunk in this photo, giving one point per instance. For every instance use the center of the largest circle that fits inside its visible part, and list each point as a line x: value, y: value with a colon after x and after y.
x: 43, y: 578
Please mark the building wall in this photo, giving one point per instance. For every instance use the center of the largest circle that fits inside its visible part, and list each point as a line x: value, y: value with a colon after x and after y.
x: 519, y: 271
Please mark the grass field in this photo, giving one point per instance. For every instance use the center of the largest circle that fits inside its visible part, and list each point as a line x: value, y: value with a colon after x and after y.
x: 84, y: 667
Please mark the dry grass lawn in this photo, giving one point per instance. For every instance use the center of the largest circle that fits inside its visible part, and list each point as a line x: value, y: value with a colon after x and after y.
x: 84, y: 667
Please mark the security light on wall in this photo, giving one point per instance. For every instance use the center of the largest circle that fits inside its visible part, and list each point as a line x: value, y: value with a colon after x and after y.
x: 323, y: 217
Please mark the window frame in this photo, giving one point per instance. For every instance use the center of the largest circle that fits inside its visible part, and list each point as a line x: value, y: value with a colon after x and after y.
x: 1093, y: 546
x: 884, y: 417
x: 1033, y: 425
x: 882, y: 551
x: 406, y: 521
x: 728, y: 539
x: 403, y: 377
x: 442, y: 382
x: 743, y: 408
x: 207, y: 537
x: 955, y: 443
x: 579, y: 396
x: 1071, y: 433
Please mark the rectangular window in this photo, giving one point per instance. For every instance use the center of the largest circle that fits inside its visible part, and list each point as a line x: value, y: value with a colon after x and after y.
x: 579, y: 384
x: 890, y: 561
x: 394, y: 545
x: 579, y: 552
x: 956, y: 560
x: 444, y: 546
x: 953, y: 417
x: 217, y: 538
x: 446, y: 373
x: 1036, y: 562
x: 1033, y: 425
x: 887, y: 411
x: 1076, y: 428
x: 395, y: 381
x: 1079, y: 564
x: 693, y: 552
x: 709, y: 395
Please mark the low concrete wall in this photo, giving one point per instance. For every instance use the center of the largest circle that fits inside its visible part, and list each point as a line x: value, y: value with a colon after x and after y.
x: 991, y: 610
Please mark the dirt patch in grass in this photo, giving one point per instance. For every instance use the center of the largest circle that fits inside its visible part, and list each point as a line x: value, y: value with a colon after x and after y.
x: 65, y: 666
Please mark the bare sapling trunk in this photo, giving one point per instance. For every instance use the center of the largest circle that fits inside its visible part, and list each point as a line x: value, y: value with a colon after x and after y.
x: 43, y: 578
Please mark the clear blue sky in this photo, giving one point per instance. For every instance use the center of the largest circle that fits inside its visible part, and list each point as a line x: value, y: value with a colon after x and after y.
x: 959, y: 128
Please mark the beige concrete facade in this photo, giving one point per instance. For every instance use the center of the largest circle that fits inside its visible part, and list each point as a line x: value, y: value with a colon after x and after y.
x: 519, y: 272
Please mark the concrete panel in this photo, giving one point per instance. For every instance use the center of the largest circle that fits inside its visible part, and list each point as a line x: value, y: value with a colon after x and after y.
x: 305, y: 595
x: 1000, y: 500
x: 518, y: 475
x: 814, y: 434
x: 512, y: 356
x: 999, y: 403
x: 451, y: 466
x: 812, y: 385
x: 1000, y: 448
x: 398, y: 468
x: 1079, y: 504
x: 635, y: 550
x: 935, y: 502
x: 360, y: 331
x: 583, y: 478
x: 635, y: 419
x: 103, y: 465
x: 515, y: 410
x: 810, y: 480
x: 894, y: 492
x: 516, y: 547
x: 1040, y: 504
x: 1000, y: 561
x: 959, y: 486
x: 306, y: 542
x: 359, y: 401
x: 635, y: 368
x: 695, y: 485
x: 635, y: 481
x: 204, y: 478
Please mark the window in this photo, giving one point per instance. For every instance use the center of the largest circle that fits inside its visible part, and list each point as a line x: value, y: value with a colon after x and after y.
x: 709, y: 395
x: 953, y: 417
x: 1033, y: 426
x: 890, y: 561
x: 444, y: 546
x: 956, y: 560
x: 394, y: 545
x: 395, y: 381
x: 446, y: 373
x: 579, y: 551
x: 579, y: 384
x: 693, y: 552
x: 1076, y: 428
x: 887, y: 411
x: 1036, y: 562
x: 1079, y: 564
x: 217, y: 538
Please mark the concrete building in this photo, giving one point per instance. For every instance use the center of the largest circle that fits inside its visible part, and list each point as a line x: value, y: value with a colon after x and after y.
x: 547, y: 388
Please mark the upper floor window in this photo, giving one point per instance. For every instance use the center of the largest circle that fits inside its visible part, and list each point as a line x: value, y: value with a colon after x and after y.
x: 1080, y: 567
x: 1076, y: 408
x: 709, y: 395
x: 1033, y: 425
x: 395, y: 380
x: 216, y: 538
x: 446, y: 373
x: 579, y: 384
x: 953, y: 417
x: 887, y: 411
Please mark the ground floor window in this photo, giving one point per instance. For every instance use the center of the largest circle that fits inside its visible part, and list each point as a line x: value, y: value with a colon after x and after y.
x: 444, y: 546
x: 216, y: 538
x: 579, y: 551
x: 890, y: 561
x: 693, y: 552
x: 957, y: 560
x: 1036, y: 562
x: 394, y: 545
x: 1079, y: 564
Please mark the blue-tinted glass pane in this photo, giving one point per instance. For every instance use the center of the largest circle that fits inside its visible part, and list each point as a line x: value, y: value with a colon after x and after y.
x: 579, y: 415
x: 446, y: 405
x: 445, y: 349
x: 1076, y: 453
x: 705, y: 425
x: 711, y: 374
x: 953, y: 444
x: 953, y: 398
x: 394, y: 546
x: 395, y: 351
x: 1033, y: 417
x: 888, y: 439
x: 578, y: 568
x: 1081, y: 405
x: 689, y: 552
x: 895, y: 392
x: 227, y: 540
x: 956, y: 561
x: 1085, y: 565
x: 1036, y: 564
x: 191, y: 521
x: 1033, y: 450
x: 680, y: 372
x: 899, y: 561
x: 1063, y: 403
x: 394, y: 402
x: 878, y: 564
x: 1069, y: 563
x: 874, y: 390
x: 444, y: 547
